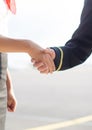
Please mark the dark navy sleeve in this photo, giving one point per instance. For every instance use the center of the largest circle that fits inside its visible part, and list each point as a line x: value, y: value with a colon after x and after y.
x: 79, y: 47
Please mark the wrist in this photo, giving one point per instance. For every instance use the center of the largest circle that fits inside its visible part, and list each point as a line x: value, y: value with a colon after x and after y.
x: 26, y: 46
x: 34, y: 49
x: 58, y: 57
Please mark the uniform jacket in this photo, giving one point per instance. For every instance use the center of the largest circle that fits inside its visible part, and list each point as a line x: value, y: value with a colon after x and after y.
x: 79, y: 47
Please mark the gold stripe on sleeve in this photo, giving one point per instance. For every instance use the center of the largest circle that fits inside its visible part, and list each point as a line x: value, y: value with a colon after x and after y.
x: 61, y: 59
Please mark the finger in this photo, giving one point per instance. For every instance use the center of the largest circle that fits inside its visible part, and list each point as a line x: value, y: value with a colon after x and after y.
x: 10, y: 109
x: 44, y: 71
x: 49, y: 62
x: 33, y: 60
x: 48, y: 51
x: 43, y: 68
x: 51, y: 52
x: 38, y: 64
x: 13, y: 107
x: 52, y: 64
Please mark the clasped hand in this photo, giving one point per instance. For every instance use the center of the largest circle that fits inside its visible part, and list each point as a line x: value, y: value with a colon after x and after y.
x: 46, y: 63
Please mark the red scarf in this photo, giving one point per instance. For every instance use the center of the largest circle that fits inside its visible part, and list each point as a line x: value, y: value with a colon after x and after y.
x: 11, y: 5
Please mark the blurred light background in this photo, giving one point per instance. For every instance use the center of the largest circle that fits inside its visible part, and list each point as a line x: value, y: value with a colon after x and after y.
x: 47, y: 22
x: 47, y: 99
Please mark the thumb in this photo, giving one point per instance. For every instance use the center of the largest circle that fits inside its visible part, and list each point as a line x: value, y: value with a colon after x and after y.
x: 50, y: 52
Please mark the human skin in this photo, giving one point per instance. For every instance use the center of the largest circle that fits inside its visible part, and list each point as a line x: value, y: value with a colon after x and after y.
x: 29, y: 47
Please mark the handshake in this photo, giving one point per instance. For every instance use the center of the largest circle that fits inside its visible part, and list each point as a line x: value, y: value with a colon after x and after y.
x: 42, y: 59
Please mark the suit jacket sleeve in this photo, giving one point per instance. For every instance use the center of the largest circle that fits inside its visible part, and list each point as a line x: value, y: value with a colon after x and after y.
x: 79, y: 47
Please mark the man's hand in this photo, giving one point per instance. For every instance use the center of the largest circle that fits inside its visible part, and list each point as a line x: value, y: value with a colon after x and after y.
x: 49, y: 53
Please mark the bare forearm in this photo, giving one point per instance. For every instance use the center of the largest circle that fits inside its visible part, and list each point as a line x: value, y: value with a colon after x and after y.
x: 8, y: 82
x: 27, y: 46
x: 12, y: 45
x: 17, y: 45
